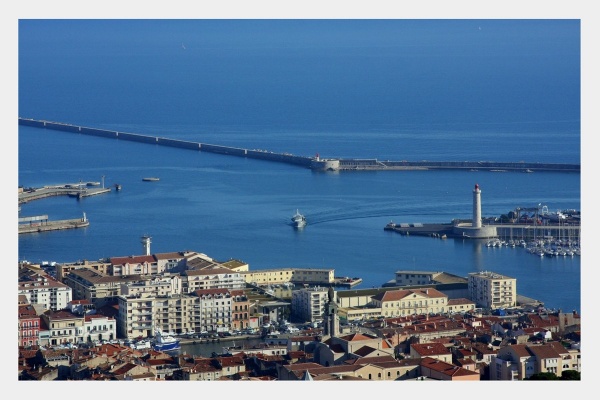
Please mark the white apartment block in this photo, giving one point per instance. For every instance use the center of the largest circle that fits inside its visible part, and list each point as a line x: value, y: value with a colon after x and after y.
x: 212, y: 278
x: 310, y: 276
x: 159, y: 286
x: 46, y: 291
x: 213, y: 312
x: 309, y: 304
x: 491, y: 290
x: 205, y: 310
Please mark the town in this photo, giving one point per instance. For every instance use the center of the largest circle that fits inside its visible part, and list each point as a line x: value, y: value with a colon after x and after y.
x: 131, y: 318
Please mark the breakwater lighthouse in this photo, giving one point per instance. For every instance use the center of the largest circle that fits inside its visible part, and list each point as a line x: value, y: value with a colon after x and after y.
x: 476, y: 207
x: 475, y: 229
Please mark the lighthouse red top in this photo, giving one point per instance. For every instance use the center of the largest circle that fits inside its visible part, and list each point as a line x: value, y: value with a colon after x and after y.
x: 476, y: 186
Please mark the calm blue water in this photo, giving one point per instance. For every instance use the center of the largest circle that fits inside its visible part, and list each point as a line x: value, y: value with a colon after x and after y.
x: 414, y: 90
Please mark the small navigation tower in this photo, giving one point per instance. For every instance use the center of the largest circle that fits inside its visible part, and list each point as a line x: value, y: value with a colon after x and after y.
x: 146, y: 240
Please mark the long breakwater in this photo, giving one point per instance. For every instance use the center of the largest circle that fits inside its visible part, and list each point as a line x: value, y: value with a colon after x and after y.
x: 314, y: 163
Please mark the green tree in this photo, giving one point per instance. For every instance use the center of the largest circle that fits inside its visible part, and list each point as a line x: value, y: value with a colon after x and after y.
x: 570, y: 375
x: 543, y: 376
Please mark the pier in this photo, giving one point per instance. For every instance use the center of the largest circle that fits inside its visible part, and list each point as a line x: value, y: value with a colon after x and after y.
x: 72, y: 190
x: 41, y: 223
x: 314, y: 163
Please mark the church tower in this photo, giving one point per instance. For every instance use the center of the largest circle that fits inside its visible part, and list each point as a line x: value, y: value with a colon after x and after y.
x: 331, y: 319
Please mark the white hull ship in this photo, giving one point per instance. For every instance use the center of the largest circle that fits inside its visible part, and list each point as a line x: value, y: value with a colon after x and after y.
x: 164, y: 342
x: 299, y: 220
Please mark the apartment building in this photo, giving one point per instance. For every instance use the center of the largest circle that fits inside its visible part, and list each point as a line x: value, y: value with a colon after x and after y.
x: 166, y: 262
x: 309, y: 304
x: 212, y: 278
x: 100, y: 289
x: 142, y: 313
x: 491, y: 290
x: 44, y: 290
x: 134, y: 265
x: 162, y: 285
x: 521, y: 361
x: 28, y: 332
x: 240, y: 310
x: 213, y: 311
x: 62, y: 270
x: 63, y: 327
x: 203, y: 310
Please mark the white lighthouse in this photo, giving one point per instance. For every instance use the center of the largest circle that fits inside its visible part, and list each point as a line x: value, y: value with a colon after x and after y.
x: 146, y: 242
x: 475, y: 230
x: 476, y: 207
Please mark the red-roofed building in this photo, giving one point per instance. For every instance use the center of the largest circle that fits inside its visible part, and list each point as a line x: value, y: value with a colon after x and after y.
x: 65, y: 327
x: 134, y: 265
x: 28, y: 326
x: 432, y: 350
x: 336, y: 350
x: 512, y: 363
x: 436, y: 369
x: 405, y: 302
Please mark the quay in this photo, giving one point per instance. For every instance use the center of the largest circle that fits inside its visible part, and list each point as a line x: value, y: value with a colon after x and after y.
x: 314, y: 163
x: 506, y: 230
x: 71, y: 190
x: 41, y: 223
x: 346, y: 282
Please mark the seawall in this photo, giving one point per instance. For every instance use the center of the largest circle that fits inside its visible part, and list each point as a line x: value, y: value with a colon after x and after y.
x: 314, y: 163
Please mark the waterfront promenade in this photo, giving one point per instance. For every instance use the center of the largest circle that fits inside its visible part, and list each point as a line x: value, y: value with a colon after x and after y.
x: 314, y: 163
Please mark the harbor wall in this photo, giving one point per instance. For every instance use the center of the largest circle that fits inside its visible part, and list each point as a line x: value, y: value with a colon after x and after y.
x: 505, y: 231
x: 211, y: 148
x: 331, y: 164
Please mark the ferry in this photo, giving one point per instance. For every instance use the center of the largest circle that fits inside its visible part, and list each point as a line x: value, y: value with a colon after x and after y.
x: 299, y: 220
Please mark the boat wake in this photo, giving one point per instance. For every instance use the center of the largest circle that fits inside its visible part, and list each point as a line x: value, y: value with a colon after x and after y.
x: 416, y: 213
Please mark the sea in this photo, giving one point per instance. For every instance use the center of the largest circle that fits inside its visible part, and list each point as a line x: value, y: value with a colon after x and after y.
x: 437, y: 90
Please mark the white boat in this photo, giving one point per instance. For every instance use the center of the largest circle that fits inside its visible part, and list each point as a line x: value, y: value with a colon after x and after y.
x: 299, y: 220
x: 164, y: 342
x: 151, y: 179
x: 140, y: 344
